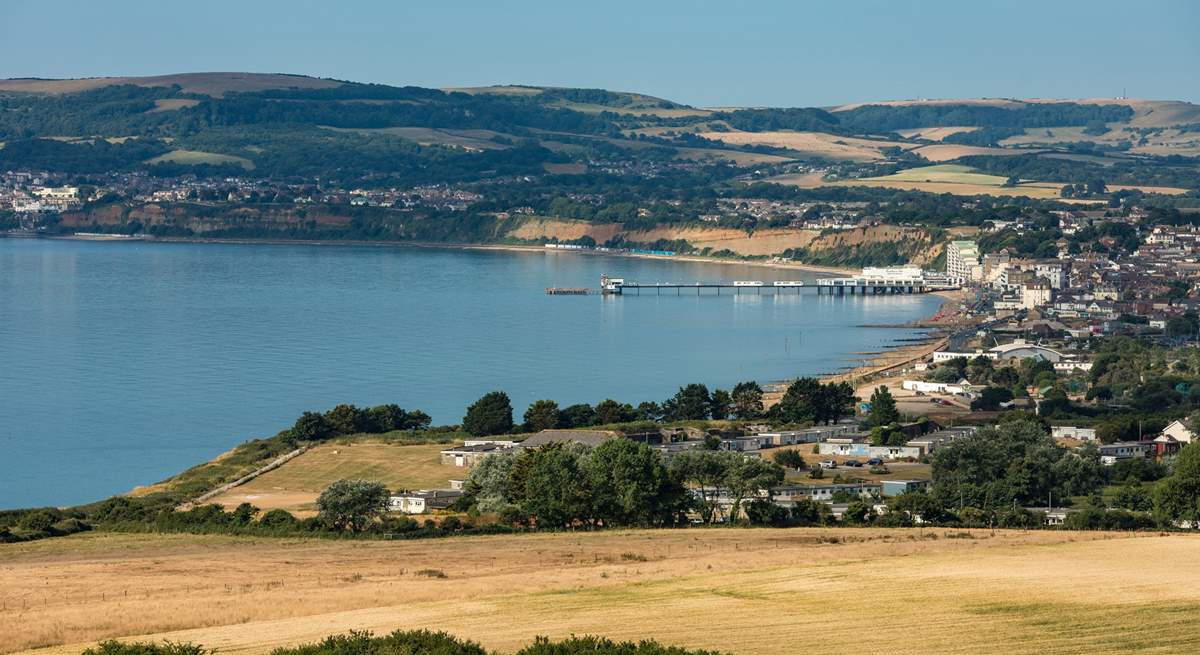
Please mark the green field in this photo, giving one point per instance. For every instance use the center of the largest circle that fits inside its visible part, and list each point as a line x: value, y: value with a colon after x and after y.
x: 194, y: 157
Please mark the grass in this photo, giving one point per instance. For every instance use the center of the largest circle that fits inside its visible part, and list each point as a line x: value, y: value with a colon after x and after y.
x: 473, y: 140
x: 740, y: 591
x: 296, y: 485
x: 194, y: 157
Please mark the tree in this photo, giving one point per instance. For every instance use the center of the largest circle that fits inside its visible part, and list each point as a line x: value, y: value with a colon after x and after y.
x: 719, y: 404
x: 705, y: 470
x: 790, y: 458
x: 553, y: 486
x: 990, y: 398
x: 747, y: 400
x: 883, y: 408
x: 351, y: 504
x: 800, y: 403
x: 311, y: 426
x: 690, y: 403
x: 649, y: 411
x: 917, y: 507
x: 1096, y: 187
x: 491, y: 414
x: 747, y: 476
x: 609, y: 411
x: 579, y: 415
x: 1177, y: 497
x: 630, y: 485
x: 541, y: 415
x: 348, y: 419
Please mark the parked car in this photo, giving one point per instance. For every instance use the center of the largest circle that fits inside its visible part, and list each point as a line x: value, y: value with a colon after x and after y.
x: 828, y: 464
x: 874, y: 461
x: 853, y: 462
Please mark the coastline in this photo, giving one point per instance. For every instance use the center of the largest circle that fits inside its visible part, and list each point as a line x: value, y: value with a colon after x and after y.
x: 500, y: 247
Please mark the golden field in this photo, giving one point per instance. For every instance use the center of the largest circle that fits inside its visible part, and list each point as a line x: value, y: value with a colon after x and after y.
x: 752, y: 591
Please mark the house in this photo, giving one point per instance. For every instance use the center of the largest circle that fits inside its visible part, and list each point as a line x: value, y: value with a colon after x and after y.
x: 789, y: 495
x: 1072, y: 432
x: 585, y: 437
x: 927, y: 444
x: 742, y: 444
x: 921, y: 386
x: 1165, y: 444
x: 1112, y: 453
x: 469, y: 455
x: 894, y: 452
x: 814, y: 434
x: 1179, y: 431
x: 420, y: 502
x: 897, y: 487
x: 848, y: 446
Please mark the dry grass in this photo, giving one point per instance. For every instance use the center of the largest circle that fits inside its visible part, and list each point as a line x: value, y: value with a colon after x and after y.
x: 296, y: 485
x: 742, y: 591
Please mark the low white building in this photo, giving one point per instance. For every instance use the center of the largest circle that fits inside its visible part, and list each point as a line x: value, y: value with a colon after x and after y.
x: 1072, y: 432
x: 922, y: 386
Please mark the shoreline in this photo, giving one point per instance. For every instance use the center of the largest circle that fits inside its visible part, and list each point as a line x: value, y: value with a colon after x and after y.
x: 437, y: 245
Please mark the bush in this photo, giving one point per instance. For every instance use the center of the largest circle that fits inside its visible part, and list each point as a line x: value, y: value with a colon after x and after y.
x: 142, y: 648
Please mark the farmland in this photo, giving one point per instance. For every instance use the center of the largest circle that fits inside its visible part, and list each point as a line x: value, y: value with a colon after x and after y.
x: 742, y: 591
x: 812, y: 144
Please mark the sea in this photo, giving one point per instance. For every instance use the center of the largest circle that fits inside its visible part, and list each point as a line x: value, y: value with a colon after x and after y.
x: 125, y: 362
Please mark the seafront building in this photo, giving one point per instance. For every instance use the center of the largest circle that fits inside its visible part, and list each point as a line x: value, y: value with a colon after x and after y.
x: 962, y: 262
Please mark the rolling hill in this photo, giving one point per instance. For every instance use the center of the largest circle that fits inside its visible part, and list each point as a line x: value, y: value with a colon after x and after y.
x: 280, y: 125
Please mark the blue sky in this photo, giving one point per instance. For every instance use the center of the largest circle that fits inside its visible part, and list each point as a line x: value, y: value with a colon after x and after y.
x: 704, y: 53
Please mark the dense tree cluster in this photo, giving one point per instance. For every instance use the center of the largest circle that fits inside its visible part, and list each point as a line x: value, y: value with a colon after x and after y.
x: 349, y: 419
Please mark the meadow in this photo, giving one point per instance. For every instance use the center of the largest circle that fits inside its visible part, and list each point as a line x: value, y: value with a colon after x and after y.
x: 749, y: 591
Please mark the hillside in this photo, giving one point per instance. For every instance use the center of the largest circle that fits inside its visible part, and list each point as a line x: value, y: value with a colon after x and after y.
x: 249, y: 155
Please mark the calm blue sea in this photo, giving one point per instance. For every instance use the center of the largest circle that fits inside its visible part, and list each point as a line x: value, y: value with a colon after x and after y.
x: 126, y: 362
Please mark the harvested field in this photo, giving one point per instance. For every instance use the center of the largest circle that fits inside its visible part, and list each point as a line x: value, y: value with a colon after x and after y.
x: 813, y: 144
x: 753, y: 592
x: 296, y: 485
x: 933, y: 133
x: 949, y: 151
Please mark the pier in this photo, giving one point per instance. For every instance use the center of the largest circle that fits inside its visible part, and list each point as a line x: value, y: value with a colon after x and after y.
x: 618, y: 286
x: 882, y: 281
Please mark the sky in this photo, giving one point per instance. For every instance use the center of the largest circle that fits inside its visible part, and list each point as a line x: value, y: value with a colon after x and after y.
x: 701, y: 53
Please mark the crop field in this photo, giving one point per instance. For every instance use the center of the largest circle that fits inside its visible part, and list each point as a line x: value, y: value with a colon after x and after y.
x: 751, y: 592
x: 296, y: 485
x: 193, y: 157
x: 949, y: 151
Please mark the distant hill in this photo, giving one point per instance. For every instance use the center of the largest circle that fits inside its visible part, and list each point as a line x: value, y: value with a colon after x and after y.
x: 209, y: 84
x: 271, y: 124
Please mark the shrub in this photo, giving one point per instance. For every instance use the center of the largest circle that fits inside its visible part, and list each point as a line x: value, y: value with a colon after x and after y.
x: 143, y: 648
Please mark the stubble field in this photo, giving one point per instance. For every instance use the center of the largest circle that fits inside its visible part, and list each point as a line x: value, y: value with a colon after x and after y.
x: 757, y: 591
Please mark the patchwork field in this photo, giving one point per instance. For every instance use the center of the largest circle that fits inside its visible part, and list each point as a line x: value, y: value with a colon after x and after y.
x: 751, y: 592
x: 296, y: 485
